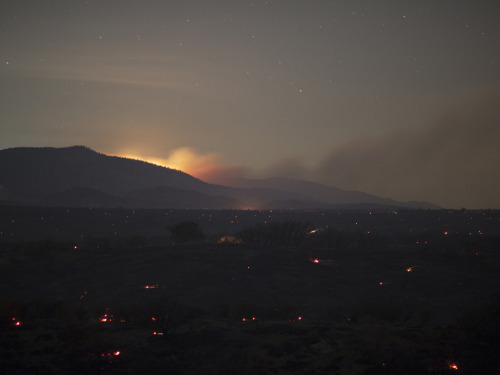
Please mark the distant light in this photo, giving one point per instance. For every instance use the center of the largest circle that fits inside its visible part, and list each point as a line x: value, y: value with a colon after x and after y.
x: 453, y: 366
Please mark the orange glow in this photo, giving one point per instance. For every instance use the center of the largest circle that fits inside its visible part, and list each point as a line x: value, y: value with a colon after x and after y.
x: 185, y: 159
x: 154, y: 286
x: 208, y: 167
x: 453, y: 366
x: 316, y: 260
x: 109, y: 355
x: 106, y: 317
x: 409, y: 269
x: 253, y: 318
x: 147, y: 159
x: 18, y: 323
x: 230, y: 240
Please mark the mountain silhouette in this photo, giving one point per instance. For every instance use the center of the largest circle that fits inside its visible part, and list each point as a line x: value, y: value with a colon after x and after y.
x: 78, y: 176
x: 320, y: 194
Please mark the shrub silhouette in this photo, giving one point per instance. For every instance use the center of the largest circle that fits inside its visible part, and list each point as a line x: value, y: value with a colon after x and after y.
x: 186, y: 231
x: 285, y: 234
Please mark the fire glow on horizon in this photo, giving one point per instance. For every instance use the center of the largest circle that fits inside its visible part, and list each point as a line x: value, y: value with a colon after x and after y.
x: 185, y: 159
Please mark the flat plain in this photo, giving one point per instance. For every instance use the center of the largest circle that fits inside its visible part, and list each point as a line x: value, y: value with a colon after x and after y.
x: 279, y: 292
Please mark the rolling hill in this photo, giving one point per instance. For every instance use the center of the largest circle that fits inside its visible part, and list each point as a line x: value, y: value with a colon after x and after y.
x: 80, y: 177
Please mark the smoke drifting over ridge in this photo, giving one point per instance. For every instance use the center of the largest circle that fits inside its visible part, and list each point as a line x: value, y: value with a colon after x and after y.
x: 453, y: 162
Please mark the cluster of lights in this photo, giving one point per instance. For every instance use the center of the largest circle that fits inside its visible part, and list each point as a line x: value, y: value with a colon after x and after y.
x: 106, y: 318
x: 110, y: 356
x: 252, y: 319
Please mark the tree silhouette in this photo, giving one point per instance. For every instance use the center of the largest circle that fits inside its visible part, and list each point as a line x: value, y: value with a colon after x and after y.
x: 186, y: 231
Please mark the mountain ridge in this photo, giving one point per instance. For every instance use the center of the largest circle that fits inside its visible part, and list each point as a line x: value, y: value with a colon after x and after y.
x: 80, y: 176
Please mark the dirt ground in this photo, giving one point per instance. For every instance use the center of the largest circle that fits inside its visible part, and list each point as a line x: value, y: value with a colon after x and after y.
x: 410, y: 301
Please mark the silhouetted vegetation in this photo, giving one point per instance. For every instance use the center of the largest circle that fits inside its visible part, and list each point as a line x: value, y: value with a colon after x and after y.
x: 308, y: 293
x: 186, y: 231
x: 286, y: 234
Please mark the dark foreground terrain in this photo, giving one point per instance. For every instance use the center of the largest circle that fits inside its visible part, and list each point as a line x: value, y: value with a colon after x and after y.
x: 249, y: 292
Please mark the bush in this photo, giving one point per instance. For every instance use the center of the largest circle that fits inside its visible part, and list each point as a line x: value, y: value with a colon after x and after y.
x: 186, y: 231
x: 286, y: 234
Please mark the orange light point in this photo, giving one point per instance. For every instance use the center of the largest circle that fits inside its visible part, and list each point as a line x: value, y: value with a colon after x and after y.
x: 453, y: 366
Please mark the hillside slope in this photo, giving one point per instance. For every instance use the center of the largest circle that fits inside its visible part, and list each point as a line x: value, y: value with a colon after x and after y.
x: 80, y: 177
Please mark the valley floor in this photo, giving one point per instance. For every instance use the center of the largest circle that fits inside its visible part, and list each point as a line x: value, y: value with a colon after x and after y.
x: 283, y: 299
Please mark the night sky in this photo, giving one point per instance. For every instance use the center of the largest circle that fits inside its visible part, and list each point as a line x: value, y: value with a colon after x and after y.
x: 395, y: 98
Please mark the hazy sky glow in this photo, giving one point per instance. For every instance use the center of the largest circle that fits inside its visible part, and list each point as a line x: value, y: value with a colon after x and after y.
x: 398, y: 99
